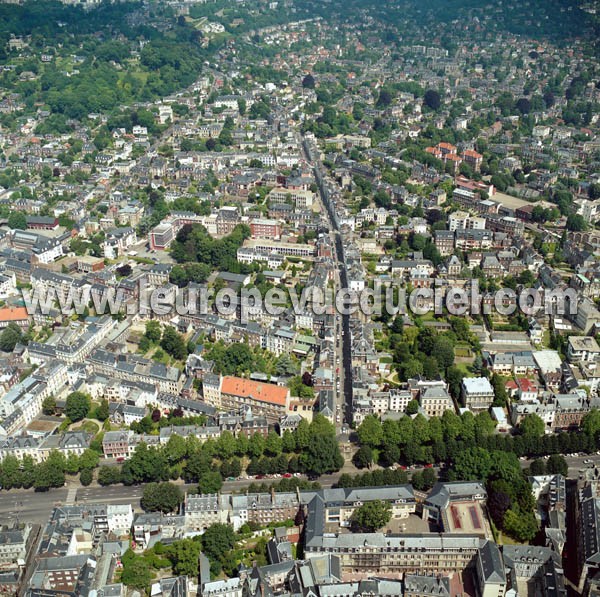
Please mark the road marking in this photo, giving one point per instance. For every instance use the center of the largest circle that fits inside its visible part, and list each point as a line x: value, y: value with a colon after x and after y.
x: 72, y: 495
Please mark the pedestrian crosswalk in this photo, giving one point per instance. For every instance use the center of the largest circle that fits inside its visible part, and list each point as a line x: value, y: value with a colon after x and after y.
x: 72, y: 495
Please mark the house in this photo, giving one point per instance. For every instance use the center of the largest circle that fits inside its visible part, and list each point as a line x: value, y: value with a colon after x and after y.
x: 587, y: 315
x: 16, y: 315
x: 550, y: 367
x: 435, y: 401
x: 118, y: 241
x: 582, y: 349
x: 477, y: 393
x: 202, y: 511
x: 263, y: 398
x: 529, y: 565
x: 490, y: 576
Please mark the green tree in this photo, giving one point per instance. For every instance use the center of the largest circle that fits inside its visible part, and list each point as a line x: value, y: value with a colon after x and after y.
x: 173, y: 344
x: 591, y: 422
x: 175, y: 449
x: 557, y: 465
x: 77, y: 406
x: 288, y: 442
x: 17, y: 220
x: 86, y: 477
x: 429, y: 478
x: 370, y: 432
x: 226, y: 445
x: 210, y: 482
x: 102, y: 412
x: 371, y: 516
x: 500, y: 393
x: 302, y: 434
x: 136, y: 571
x: 575, y: 223
x: 10, y: 474
x: 443, y: 349
x: 11, y: 335
x: 412, y: 408
x: 300, y: 389
x: 256, y: 445
x: 273, y: 444
x: 538, y: 467
x: 217, y: 540
x: 109, y: 475
x: 49, y: 405
x: 48, y: 475
x: 185, y: 557
x: 89, y: 459
x: 147, y: 464
x: 161, y: 497
x: 472, y: 464
x: 196, y: 465
x: 153, y: 331
x: 532, y: 426
x: 322, y: 455
x: 522, y: 526
x: 363, y: 458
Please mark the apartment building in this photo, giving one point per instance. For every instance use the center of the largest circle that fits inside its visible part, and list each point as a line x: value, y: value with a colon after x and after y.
x: 265, y: 228
x: 161, y: 236
x: 477, y: 393
x: 301, y: 199
x: 435, y: 401
x: 202, y: 511
x: 265, y: 399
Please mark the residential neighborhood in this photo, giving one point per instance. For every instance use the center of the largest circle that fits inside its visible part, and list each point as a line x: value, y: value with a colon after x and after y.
x: 299, y: 298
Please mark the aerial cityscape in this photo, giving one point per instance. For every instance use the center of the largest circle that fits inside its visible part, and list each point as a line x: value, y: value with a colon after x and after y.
x: 299, y: 298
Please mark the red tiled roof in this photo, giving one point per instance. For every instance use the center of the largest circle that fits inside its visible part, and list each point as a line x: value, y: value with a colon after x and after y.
x: 527, y: 385
x: 13, y: 314
x: 264, y: 392
x: 448, y: 146
x: 453, y: 157
x: 472, y: 154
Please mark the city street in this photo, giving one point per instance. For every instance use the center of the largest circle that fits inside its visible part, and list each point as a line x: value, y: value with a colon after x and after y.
x: 30, y: 506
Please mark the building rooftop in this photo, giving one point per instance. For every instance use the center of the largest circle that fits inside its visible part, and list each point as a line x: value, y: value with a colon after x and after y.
x: 264, y: 392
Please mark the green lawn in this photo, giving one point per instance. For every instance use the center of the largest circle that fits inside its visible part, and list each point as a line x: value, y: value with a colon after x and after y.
x: 89, y: 426
x: 464, y: 368
x: 463, y: 351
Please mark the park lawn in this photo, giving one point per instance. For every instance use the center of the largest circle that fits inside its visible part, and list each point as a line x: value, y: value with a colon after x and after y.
x: 506, y: 540
x: 463, y: 351
x: 87, y: 425
x: 464, y: 369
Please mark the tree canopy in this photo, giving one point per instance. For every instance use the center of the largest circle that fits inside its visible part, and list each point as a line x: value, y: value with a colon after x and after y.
x: 161, y: 497
x: 371, y: 516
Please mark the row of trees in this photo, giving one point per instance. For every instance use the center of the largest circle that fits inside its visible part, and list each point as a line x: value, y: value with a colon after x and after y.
x: 421, y: 479
x: 311, y: 449
x: 440, y: 439
x: 25, y: 473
